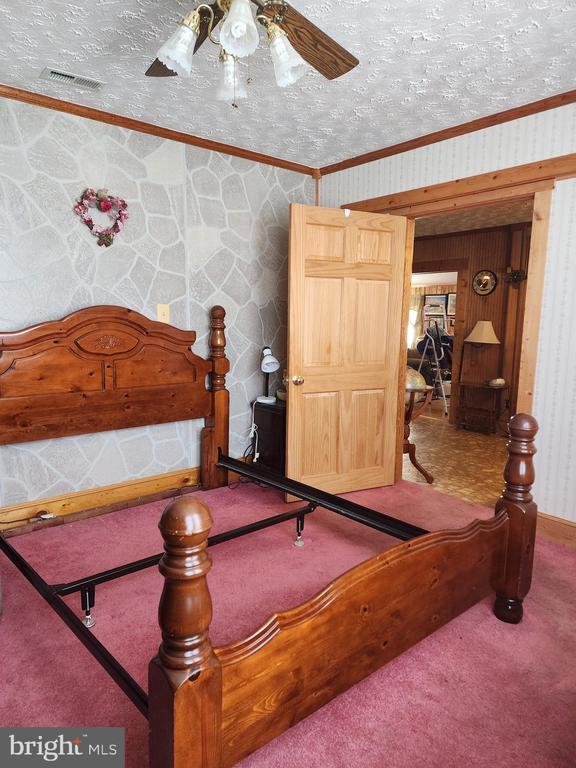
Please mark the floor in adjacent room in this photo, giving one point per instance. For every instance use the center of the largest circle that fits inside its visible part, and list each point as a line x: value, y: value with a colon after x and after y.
x: 463, y: 463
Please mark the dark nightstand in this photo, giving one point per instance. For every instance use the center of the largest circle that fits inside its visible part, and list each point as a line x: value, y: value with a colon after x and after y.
x: 271, y: 423
x: 480, y: 406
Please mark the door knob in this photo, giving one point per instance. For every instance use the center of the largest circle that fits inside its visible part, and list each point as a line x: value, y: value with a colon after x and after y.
x: 297, y: 380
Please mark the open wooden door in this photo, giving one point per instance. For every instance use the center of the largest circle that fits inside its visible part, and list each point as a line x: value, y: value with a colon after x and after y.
x: 346, y: 322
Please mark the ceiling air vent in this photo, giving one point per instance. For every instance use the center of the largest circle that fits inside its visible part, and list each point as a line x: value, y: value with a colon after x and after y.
x: 59, y: 76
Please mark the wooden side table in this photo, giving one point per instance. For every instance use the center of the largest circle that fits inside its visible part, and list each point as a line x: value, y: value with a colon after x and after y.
x: 480, y: 406
x: 411, y: 413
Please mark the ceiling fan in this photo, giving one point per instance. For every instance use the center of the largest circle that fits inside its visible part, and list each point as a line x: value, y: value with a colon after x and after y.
x: 294, y: 43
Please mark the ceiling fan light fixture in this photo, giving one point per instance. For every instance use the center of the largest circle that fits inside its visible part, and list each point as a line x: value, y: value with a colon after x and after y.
x: 178, y: 50
x: 230, y: 88
x: 289, y: 66
x: 239, y: 33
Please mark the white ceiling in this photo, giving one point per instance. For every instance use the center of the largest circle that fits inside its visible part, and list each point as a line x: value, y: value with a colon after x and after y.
x: 424, y: 65
x: 496, y: 215
x: 434, y: 278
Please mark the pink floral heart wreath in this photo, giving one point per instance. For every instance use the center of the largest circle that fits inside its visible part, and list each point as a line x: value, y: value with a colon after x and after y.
x: 115, y: 207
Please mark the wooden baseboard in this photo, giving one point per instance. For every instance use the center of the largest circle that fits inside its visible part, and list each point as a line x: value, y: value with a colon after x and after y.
x: 557, y: 529
x: 94, y: 501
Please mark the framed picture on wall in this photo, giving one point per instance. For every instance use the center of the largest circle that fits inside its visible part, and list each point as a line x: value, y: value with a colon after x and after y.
x: 451, y: 305
x: 433, y: 320
x: 437, y: 299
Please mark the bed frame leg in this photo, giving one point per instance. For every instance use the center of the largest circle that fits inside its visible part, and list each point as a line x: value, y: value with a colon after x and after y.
x: 215, y: 433
x: 299, y: 530
x: 88, y: 598
x: 514, y: 584
x: 300, y: 520
x: 185, y: 679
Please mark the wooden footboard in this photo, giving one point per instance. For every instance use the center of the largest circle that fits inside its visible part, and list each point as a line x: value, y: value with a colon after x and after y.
x: 301, y: 659
x: 209, y: 707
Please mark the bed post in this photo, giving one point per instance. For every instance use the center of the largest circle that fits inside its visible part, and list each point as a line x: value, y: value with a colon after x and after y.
x: 215, y: 433
x: 517, y: 500
x: 185, y: 679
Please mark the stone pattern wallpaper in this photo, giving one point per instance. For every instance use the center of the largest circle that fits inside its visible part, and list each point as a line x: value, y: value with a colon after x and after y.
x: 204, y: 229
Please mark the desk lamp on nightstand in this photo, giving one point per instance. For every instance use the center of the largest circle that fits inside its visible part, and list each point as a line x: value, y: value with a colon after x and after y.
x: 269, y: 364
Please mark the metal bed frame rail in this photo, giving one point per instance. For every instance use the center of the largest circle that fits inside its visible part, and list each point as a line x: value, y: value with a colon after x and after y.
x: 377, y: 520
x: 53, y: 593
x: 100, y: 653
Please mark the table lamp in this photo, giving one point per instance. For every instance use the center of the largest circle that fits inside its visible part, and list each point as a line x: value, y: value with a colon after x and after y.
x: 269, y: 364
x: 482, y: 333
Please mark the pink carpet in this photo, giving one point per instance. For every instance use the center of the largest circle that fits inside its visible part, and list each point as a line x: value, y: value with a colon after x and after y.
x: 476, y: 693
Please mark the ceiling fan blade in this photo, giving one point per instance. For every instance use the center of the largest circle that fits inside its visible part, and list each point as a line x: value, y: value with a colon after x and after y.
x: 205, y: 24
x: 315, y: 47
x: 157, y: 69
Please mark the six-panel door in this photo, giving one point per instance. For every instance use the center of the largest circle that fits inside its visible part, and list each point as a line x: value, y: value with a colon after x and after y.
x: 345, y: 319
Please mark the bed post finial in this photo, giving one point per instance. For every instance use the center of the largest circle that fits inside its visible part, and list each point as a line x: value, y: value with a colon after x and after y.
x: 215, y: 433
x: 516, y: 499
x: 218, y: 341
x: 185, y: 680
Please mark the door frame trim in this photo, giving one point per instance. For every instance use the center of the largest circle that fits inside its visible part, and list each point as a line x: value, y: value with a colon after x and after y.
x: 410, y: 227
x: 534, y: 180
x: 518, y: 176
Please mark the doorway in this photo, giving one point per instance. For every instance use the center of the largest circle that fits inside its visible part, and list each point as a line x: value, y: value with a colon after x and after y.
x: 465, y: 454
x: 533, y: 181
x: 431, y: 326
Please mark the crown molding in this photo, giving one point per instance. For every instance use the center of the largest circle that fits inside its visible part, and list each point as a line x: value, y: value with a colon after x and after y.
x: 29, y: 97
x: 552, y: 102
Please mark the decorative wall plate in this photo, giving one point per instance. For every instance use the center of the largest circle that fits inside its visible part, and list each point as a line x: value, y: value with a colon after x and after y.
x: 115, y: 207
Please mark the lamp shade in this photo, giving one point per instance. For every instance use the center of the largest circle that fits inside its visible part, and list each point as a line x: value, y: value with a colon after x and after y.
x: 178, y: 50
x: 231, y: 86
x: 483, y: 333
x: 239, y: 33
x: 269, y: 363
x: 289, y: 66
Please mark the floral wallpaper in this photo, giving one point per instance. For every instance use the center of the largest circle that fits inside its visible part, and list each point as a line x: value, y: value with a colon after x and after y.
x: 203, y: 229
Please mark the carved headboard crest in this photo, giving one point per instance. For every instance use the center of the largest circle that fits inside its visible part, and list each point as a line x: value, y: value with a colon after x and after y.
x: 97, y: 369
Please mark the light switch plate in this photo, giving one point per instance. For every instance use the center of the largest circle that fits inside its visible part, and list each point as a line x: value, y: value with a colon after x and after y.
x: 163, y: 313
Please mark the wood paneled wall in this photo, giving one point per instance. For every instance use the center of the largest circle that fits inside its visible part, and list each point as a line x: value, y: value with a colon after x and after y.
x: 496, y: 249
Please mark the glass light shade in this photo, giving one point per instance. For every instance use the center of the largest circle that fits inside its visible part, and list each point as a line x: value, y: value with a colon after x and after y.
x: 289, y: 66
x: 239, y: 33
x: 483, y: 333
x: 231, y: 87
x: 269, y: 363
x: 178, y: 50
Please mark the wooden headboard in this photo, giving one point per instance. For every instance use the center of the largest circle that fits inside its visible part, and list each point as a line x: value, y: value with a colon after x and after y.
x: 107, y: 368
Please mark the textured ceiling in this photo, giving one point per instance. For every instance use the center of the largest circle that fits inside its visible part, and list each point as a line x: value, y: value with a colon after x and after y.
x: 424, y: 65
x: 497, y: 215
x: 424, y: 279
